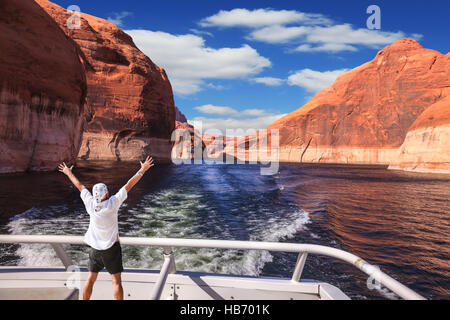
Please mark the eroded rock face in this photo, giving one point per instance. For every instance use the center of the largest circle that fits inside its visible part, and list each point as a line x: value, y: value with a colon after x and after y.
x: 179, y: 116
x: 42, y: 90
x: 365, y: 115
x: 188, y: 142
x: 131, y: 109
x: 427, y: 144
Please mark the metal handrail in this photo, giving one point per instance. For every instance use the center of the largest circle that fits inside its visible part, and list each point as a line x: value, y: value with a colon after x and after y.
x: 371, y: 270
x: 159, y: 285
x: 167, y: 268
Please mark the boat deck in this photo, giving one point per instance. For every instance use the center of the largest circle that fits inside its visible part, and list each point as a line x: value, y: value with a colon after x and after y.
x: 138, y: 284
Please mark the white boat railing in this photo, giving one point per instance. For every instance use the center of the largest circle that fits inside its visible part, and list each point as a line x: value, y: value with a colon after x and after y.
x: 169, y: 264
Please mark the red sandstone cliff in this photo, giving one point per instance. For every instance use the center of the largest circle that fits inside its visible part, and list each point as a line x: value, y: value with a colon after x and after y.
x: 188, y: 144
x: 427, y: 144
x: 43, y: 90
x: 131, y: 108
x: 179, y: 116
x: 365, y: 115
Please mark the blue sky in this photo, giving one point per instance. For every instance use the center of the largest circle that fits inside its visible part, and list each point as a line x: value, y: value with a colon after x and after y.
x: 243, y: 64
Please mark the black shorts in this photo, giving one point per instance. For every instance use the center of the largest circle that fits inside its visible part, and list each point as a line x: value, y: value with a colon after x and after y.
x: 111, y: 259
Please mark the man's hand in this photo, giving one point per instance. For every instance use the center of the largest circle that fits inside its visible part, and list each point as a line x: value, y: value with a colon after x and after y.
x: 147, y: 164
x: 65, y: 169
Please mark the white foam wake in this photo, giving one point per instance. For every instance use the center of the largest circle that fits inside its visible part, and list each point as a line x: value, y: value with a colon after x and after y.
x: 172, y: 213
x: 47, y: 221
x: 274, y: 231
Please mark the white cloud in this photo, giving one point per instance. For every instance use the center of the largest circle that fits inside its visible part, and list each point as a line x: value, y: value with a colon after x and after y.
x: 222, y: 124
x: 417, y: 36
x: 260, y: 18
x: 118, y: 17
x: 216, y: 110
x: 201, y: 32
x: 226, y: 117
x: 278, y: 34
x: 327, y: 47
x: 269, y: 81
x: 231, y: 112
x: 314, y: 81
x: 256, y: 113
x: 215, y: 86
x: 346, y: 34
x: 188, y: 62
x: 335, y: 38
x: 310, y: 32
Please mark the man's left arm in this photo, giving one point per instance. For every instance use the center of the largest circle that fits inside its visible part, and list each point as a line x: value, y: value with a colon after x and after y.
x: 68, y: 172
x: 147, y: 164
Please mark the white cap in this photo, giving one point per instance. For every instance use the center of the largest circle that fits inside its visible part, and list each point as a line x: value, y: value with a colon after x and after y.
x: 99, y: 192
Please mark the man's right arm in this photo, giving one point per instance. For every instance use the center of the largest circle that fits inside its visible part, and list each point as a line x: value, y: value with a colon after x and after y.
x: 68, y: 172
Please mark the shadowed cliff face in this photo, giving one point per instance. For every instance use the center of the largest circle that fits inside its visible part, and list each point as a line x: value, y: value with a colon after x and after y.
x: 190, y: 144
x: 365, y: 115
x: 187, y: 140
x: 130, y: 102
x: 42, y: 90
x: 427, y: 144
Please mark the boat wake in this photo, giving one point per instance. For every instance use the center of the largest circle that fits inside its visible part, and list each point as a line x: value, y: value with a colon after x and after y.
x: 51, y: 220
x: 172, y: 213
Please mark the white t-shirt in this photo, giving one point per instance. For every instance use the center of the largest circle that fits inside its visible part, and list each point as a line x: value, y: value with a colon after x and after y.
x: 103, y: 224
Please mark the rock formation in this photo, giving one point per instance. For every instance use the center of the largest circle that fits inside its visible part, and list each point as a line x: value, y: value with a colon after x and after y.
x: 179, y: 116
x: 363, y: 118
x: 42, y: 90
x: 427, y: 144
x: 188, y: 141
x: 190, y: 144
x: 130, y: 102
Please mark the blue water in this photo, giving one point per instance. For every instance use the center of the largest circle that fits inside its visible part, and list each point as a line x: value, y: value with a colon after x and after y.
x: 397, y: 221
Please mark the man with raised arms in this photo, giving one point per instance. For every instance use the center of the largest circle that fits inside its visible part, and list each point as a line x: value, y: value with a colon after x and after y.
x: 103, y: 232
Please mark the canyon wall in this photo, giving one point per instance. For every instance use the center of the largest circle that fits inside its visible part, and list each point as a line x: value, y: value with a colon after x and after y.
x: 427, y: 144
x: 188, y: 144
x: 42, y: 90
x: 56, y: 82
x: 364, y: 117
x: 130, y: 101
